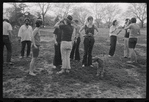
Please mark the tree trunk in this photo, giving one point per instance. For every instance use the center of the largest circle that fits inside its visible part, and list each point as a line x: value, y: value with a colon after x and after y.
x: 43, y: 21
x: 142, y: 23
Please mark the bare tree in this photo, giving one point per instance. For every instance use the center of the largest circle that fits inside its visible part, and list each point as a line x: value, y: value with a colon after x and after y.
x: 80, y: 13
x: 44, y: 7
x: 63, y: 8
x: 138, y: 10
x: 97, y: 9
x: 110, y: 11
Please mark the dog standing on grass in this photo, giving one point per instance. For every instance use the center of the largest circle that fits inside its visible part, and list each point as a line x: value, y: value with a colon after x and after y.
x: 100, y: 62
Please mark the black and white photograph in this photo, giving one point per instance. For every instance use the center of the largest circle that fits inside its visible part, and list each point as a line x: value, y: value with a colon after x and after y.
x: 74, y: 50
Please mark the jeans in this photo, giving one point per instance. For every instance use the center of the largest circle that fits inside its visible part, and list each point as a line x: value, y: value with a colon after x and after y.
x: 66, y: 47
x: 7, y: 43
x: 75, y: 50
x: 113, y: 40
x: 88, y: 47
x: 57, y: 57
x: 23, y: 43
x: 126, y: 47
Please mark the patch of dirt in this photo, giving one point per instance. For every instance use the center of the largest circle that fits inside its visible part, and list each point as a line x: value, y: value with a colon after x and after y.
x: 121, y: 80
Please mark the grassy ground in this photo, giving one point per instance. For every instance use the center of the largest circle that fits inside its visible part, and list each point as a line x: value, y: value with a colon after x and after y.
x: 121, y: 80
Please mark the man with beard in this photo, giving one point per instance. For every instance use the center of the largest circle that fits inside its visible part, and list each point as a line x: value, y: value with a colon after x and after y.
x: 24, y: 35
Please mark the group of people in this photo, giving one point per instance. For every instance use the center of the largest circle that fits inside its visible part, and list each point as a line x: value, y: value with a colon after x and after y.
x: 67, y: 38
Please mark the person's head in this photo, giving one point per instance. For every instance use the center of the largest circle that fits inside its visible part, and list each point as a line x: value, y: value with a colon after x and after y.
x: 26, y: 21
x: 58, y: 17
x: 6, y: 19
x: 114, y: 23
x: 68, y: 20
x: 76, y: 21
x: 90, y: 19
x: 133, y: 20
x: 38, y: 23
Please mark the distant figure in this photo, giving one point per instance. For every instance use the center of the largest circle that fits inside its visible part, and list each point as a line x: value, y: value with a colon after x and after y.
x: 126, y: 39
x: 35, y: 46
x: 134, y: 33
x: 114, y: 31
x: 7, y: 33
x: 66, y: 43
x: 57, y: 44
x: 24, y: 35
x: 75, y: 48
x: 88, y: 41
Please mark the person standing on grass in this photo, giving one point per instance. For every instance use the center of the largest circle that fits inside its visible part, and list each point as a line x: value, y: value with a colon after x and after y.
x: 7, y: 33
x: 75, y: 48
x: 57, y: 43
x: 24, y: 35
x: 35, y: 46
x: 134, y: 33
x: 126, y: 39
x: 88, y: 41
x: 114, y: 31
x: 66, y: 43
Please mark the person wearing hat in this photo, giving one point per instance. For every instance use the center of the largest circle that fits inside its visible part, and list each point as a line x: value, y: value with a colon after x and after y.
x: 66, y: 42
x: 35, y: 46
x: 24, y: 35
x: 7, y: 33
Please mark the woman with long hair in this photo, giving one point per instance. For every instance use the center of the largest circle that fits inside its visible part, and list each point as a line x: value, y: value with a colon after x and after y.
x: 57, y: 43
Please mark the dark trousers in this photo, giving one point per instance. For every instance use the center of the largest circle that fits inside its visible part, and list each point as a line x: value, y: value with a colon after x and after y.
x: 7, y: 43
x: 23, y: 43
x: 75, y: 50
x: 88, y: 47
x: 57, y: 57
x: 113, y: 40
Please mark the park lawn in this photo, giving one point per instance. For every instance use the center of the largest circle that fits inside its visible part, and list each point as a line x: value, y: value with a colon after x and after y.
x: 121, y: 80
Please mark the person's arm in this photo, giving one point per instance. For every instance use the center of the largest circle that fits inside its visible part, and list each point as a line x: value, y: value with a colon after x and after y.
x: 54, y: 37
x: 96, y: 28
x: 57, y: 24
x: 74, y: 38
x: 82, y: 28
x: 127, y: 27
x: 10, y: 31
x: 33, y: 39
x: 19, y: 34
x: 139, y: 33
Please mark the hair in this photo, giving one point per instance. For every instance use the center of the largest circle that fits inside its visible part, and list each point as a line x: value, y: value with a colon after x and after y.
x: 26, y: 19
x: 38, y: 23
x: 76, y: 21
x: 113, y: 23
x: 6, y: 20
x: 133, y: 20
x: 89, y: 18
x: 69, y: 17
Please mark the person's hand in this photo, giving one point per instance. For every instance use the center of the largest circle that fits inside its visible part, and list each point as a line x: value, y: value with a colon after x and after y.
x: 56, y: 43
x: 35, y: 46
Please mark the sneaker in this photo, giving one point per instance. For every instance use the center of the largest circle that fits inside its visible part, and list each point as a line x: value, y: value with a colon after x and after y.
x: 129, y: 61
x: 21, y: 57
x: 31, y: 73
x: 10, y: 63
x: 109, y: 56
x: 91, y: 66
x: 83, y: 65
x: 53, y: 66
x: 67, y: 70
x: 60, y: 72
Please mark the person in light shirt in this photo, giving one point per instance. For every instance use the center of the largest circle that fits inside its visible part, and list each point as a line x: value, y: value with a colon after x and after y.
x: 114, y: 31
x: 24, y: 35
x: 7, y: 33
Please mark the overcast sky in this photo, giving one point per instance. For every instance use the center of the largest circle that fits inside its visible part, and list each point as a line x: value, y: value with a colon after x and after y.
x: 123, y: 6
